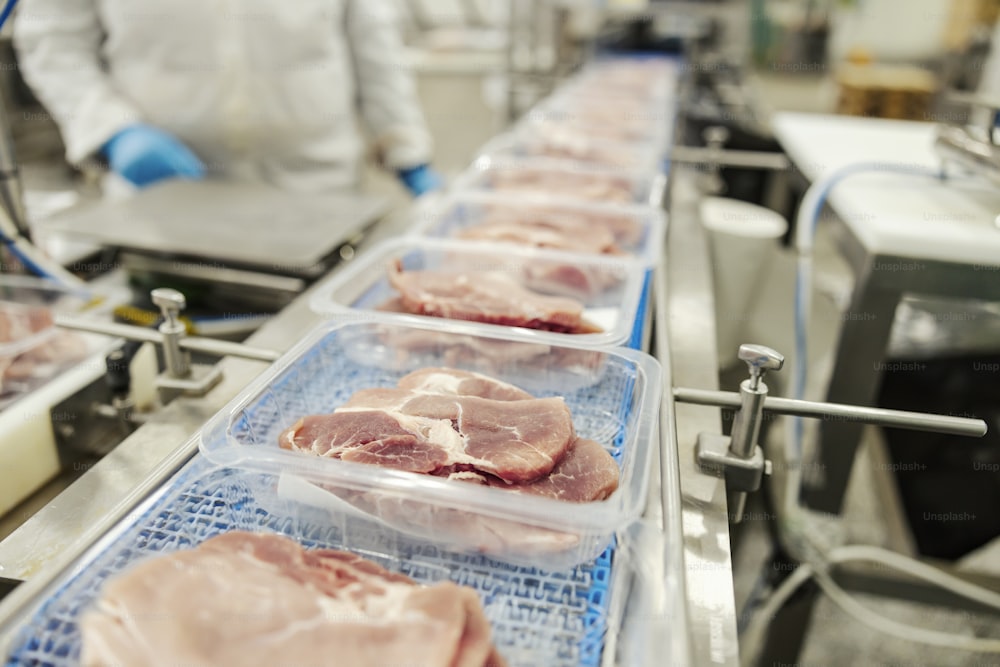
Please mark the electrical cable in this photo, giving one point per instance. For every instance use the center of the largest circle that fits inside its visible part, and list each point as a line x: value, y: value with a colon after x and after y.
x: 903, y: 631
x: 917, y: 570
x: 807, y: 220
x: 753, y: 637
x: 5, y: 13
x: 10, y: 236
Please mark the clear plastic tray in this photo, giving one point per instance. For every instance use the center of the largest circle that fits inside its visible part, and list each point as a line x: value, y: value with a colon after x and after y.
x: 613, y: 395
x: 638, y: 230
x: 609, y: 288
x: 563, y: 141
x: 647, y: 78
x: 32, y: 349
x: 564, y: 179
x: 601, y: 117
x: 566, y: 618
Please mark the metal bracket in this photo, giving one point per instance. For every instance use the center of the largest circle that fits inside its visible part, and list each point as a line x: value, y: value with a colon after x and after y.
x: 201, y: 378
x: 713, y: 455
x: 740, y: 459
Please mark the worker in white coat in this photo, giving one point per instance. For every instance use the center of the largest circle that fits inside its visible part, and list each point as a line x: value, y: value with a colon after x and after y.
x: 261, y: 90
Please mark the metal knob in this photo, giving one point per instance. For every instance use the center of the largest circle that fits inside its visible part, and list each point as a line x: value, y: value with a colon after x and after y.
x: 715, y: 136
x: 760, y: 359
x: 171, y: 303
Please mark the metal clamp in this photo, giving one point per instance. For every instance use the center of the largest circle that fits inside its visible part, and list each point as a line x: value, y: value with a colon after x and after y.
x: 741, y: 460
x: 181, y: 375
x: 738, y: 457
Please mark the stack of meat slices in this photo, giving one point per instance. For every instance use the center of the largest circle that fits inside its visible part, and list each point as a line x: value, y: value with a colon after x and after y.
x: 577, y: 230
x: 578, y: 185
x: 251, y: 599
x: 491, y: 297
x: 463, y: 426
x: 25, y: 370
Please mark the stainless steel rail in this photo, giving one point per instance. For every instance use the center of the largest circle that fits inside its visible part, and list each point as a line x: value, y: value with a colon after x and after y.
x: 219, y: 348
x: 916, y: 421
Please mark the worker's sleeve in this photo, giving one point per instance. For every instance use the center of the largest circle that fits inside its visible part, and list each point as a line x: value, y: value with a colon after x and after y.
x: 58, y: 45
x: 386, y: 87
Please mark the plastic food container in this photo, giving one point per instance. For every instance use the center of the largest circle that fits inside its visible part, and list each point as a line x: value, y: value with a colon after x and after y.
x: 638, y: 230
x: 603, y: 117
x: 32, y: 349
x: 563, y: 179
x: 613, y: 395
x: 626, y: 607
x: 567, y: 142
x: 608, y: 288
x: 649, y: 79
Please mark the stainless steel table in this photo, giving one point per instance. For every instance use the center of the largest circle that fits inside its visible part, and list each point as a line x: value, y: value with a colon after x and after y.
x: 901, y: 234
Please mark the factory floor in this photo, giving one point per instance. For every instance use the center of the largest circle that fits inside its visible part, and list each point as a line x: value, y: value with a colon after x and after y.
x: 873, y: 511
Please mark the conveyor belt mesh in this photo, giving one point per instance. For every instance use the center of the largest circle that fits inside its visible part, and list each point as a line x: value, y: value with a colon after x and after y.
x: 558, y: 618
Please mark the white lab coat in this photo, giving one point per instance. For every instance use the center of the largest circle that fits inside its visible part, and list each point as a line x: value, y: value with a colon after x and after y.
x: 259, y: 89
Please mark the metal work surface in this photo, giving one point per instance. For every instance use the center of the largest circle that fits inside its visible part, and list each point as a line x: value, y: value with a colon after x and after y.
x: 901, y: 235
x: 690, y: 324
x: 292, y: 232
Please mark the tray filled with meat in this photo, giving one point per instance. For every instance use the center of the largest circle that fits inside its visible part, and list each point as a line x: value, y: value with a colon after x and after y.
x: 543, y: 222
x: 563, y: 141
x: 32, y: 349
x: 534, y: 459
x: 603, y: 120
x: 207, y: 572
x: 545, y: 295
x: 566, y: 179
x: 648, y: 79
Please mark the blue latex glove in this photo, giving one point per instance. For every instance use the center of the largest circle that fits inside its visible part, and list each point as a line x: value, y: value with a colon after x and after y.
x: 420, y: 180
x: 143, y: 155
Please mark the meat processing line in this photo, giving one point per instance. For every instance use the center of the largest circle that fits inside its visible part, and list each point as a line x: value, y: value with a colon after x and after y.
x: 698, y: 479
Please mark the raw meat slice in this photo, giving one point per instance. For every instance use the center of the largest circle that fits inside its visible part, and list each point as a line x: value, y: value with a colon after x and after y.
x: 515, y: 440
x: 249, y: 599
x: 580, y: 185
x: 461, y: 383
x: 585, y: 283
x: 18, y: 321
x: 623, y: 227
x: 564, y: 142
x: 587, y: 473
x: 369, y: 434
x: 460, y: 349
x: 491, y: 297
x: 553, y: 234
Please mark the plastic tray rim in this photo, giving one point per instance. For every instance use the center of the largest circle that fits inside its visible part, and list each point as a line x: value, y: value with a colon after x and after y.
x: 217, y: 444
x: 322, y: 302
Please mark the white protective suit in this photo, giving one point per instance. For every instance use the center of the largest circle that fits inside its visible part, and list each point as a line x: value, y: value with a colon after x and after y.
x: 258, y: 89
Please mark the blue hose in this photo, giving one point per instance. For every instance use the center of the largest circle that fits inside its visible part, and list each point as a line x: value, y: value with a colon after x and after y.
x: 803, y: 285
x: 7, y: 9
x: 12, y: 243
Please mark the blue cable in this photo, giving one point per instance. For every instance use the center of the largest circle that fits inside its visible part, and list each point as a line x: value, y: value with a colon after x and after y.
x: 28, y: 263
x: 801, y: 289
x: 7, y: 9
